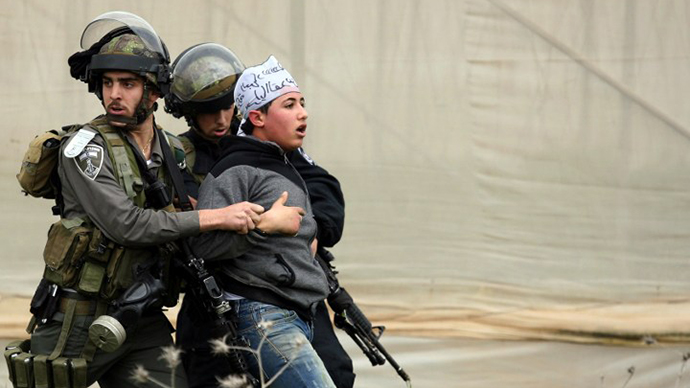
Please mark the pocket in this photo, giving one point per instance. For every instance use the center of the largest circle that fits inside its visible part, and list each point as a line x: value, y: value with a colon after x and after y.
x: 100, y: 248
x: 283, y: 275
x: 92, y: 273
x: 91, y: 278
x: 277, y: 316
x: 113, y: 284
x: 63, y: 253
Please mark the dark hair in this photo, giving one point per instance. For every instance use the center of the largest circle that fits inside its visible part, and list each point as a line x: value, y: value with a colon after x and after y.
x: 248, y: 126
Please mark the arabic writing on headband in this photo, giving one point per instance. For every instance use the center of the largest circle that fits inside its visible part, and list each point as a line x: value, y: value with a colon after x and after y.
x: 262, y: 89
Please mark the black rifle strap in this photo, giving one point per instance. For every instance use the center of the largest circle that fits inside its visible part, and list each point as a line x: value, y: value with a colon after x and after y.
x: 175, y: 174
x: 146, y: 174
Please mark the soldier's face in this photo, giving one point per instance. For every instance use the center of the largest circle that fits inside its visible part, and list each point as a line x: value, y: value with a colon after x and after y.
x: 285, y: 123
x: 122, y: 92
x: 213, y: 126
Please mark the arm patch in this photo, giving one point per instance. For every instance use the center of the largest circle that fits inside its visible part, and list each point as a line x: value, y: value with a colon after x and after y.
x: 90, y: 161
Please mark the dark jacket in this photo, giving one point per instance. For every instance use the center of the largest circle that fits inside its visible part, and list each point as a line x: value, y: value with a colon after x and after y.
x: 327, y: 199
x: 201, y: 155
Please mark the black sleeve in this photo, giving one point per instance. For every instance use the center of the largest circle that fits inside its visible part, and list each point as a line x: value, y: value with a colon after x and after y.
x: 190, y: 184
x: 326, y: 196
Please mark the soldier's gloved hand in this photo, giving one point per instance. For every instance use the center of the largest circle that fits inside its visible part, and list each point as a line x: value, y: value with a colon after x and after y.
x: 280, y: 218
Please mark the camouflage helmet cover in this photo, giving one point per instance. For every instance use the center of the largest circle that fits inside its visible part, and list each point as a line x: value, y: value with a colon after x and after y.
x: 127, y: 44
x: 130, y: 44
x: 205, y: 72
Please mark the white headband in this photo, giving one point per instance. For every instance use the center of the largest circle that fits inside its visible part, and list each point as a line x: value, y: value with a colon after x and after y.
x: 261, y: 84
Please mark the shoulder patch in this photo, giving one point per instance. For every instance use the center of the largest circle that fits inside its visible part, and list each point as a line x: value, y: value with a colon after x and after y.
x: 77, y: 142
x: 90, y: 160
x: 306, y: 157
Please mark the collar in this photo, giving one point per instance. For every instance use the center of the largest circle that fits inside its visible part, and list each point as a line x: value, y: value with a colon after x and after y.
x: 267, y: 142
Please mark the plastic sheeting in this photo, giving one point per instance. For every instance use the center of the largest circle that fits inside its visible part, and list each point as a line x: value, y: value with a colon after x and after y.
x: 512, y: 169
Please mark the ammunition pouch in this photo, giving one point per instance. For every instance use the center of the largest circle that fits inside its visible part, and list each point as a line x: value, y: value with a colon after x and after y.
x: 16, y: 366
x: 80, y: 257
x: 64, y: 252
x: 90, y: 268
x: 27, y: 370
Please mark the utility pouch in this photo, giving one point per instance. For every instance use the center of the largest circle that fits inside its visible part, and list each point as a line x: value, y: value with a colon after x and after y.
x: 61, y: 375
x: 100, y: 248
x: 42, y: 371
x: 90, y: 278
x: 39, y: 163
x: 92, y: 273
x: 40, y: 299
x: 44, y: 302
x: 120, y: 270
x: 24, y: 370
x: 64, y: 251
x: 12, y: 350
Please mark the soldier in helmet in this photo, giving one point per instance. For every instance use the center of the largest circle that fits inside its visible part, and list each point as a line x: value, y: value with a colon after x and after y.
x: 204, y: 77
x: 203, y: 82
x: 97, y: 311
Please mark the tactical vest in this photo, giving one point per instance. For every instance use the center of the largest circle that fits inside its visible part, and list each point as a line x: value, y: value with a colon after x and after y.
x: 79, y: 256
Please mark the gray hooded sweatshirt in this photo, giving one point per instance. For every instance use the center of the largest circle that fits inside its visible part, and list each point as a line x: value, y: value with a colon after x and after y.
x: 273, y: 269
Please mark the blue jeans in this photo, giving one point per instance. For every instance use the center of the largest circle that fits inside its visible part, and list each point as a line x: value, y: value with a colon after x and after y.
x: 286, y: 339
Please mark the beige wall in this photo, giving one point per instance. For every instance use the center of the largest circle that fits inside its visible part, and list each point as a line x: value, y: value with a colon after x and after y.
x: 512, y: 169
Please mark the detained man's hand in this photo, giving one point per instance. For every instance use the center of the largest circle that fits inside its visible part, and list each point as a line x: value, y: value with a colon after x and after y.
x: 280, y: 218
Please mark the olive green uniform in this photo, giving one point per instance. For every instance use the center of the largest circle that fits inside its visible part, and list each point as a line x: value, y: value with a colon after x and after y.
x: 94, y: 191
x: 107, y: 204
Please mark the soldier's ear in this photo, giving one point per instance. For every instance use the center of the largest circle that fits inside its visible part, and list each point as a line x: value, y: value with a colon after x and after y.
x: 154, y: 94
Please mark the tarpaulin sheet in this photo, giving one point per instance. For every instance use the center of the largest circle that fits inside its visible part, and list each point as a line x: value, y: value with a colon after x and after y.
x: 512, y: 169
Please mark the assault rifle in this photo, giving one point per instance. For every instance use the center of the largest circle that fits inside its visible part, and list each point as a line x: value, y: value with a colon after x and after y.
x: 204, y: 288
x: 352, y: 320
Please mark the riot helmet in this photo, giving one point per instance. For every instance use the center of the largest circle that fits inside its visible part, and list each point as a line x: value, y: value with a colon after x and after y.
x: 203, y: 81
x: 122, y: 41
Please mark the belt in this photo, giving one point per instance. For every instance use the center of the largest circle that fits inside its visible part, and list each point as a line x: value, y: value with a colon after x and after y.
x: 84, y: 307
